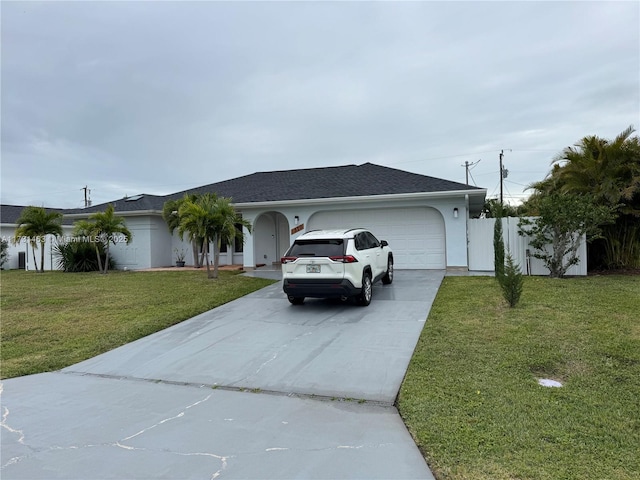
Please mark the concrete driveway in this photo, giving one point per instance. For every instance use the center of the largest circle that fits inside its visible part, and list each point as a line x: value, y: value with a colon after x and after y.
x: 256, y: 388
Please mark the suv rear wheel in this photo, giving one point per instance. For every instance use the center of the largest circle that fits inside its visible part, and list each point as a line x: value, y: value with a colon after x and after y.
x: 364, y: 298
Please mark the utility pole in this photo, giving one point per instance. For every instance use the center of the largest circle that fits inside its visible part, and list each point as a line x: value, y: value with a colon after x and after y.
x: 466, y: 169
x: 503, y: 174
x: 87, y: 200
x: 501, y: 155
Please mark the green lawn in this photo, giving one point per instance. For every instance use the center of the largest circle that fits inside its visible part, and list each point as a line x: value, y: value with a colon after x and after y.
x: 471, y: 398
x: 54, y: 319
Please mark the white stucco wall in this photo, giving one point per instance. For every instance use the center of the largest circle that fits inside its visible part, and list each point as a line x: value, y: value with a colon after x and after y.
x: 50, y: 263
x: 261, y: 242
x: 150, y: 245
x: 153, y: 245
x: 8, y: 233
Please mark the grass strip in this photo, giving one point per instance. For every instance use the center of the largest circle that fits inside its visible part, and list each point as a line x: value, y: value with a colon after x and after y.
x: 52, y: 320
x: 471, y: 398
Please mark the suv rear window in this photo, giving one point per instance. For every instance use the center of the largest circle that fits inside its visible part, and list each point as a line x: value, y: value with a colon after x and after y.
x: 317, y: 248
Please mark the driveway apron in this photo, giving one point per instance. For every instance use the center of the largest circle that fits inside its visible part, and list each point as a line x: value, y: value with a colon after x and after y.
x: 256, y: 388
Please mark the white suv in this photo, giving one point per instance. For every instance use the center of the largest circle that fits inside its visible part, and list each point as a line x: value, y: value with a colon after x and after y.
x: 336, y: 263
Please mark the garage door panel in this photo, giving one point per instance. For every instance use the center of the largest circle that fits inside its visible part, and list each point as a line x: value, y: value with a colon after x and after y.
x: 415, y: 234
x: 415, y: 244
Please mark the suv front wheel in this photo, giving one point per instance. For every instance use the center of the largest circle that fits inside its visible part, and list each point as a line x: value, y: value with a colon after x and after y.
x: 388, y: 278
x: 364, y: 298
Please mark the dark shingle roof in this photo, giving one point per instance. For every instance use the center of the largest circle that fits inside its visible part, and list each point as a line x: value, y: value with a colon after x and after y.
x: 134, y: 203
x: 9, y: 214
x: 328, y: 182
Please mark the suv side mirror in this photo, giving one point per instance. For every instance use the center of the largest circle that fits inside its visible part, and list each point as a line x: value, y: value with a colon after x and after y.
x: 384, y: 243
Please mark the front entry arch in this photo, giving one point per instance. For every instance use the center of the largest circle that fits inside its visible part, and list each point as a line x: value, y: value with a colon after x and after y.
x: 271, y: 238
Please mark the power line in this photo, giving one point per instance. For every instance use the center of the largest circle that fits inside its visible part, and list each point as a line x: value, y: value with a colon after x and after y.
x: 516, y: 183
x: 474, y: 180
x: 440, y: 158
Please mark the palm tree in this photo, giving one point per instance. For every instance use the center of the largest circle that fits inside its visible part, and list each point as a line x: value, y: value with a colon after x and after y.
x: 171, y: 215
x: 196, y: 219
x: 108, y: 227
x: 34, y: 224
x: 229, y: 227
x: 608, y: 171
x: 214, y: 220
x: 86, y: 228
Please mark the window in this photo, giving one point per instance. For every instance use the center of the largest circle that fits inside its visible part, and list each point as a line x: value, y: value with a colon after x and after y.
x: 360, y: 241
x: 365, y: 240
x: 373, y: 241
x: 238, y: 244
x: 317, y: 248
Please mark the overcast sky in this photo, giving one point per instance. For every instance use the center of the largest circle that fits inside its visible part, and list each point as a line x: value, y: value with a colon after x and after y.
x: 158, y: 97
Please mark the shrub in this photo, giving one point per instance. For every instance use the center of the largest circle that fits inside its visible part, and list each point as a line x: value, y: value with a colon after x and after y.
x: 79, y: 256
x: 557, y: 232
x: 511, y: 282
x: 4, y: 254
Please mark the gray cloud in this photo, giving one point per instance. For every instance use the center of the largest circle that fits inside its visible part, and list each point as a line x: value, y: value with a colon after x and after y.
x: 155, y: 97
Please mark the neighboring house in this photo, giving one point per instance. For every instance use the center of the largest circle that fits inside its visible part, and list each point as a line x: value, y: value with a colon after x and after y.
x: 424, y: 219
x: 21, y: 254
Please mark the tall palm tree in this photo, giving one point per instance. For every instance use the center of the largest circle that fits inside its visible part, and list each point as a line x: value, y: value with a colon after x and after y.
x: 34, y: 224
x: 196, y: 218
x: 213, y: 219
x: 87, y: 228
x: 171, y: 215
x: 228, y: 227
x: 109, y: 227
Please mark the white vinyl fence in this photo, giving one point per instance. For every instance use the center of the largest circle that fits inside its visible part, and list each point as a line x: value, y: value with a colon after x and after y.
x: 481, y: 248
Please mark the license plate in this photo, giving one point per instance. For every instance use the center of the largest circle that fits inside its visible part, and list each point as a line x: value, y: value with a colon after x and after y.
x: 313, y: 268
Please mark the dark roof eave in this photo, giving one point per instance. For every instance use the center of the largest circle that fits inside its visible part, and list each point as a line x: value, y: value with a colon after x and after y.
x: 126, y: 213
x: 369, y: 198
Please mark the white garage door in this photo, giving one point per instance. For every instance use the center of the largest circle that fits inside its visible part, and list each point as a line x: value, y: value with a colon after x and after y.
x: 415, y: 234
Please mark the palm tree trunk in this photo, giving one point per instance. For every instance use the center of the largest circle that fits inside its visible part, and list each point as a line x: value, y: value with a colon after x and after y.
x: 216, y: 257
x: 99, y: 258
x: 206, y: 250
x: 194, y: 248
x: 33, y: 251
x: 106, y: 260
x: 42, y: 256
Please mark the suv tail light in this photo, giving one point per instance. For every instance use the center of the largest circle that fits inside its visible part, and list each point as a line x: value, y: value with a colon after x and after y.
x: 284, y: 260
x: 345, y: 259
